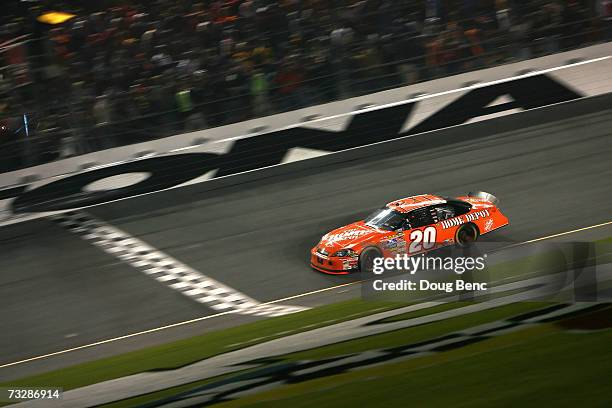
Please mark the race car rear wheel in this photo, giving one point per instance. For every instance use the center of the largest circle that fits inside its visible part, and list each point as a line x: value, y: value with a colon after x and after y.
x: 466, y: 235
x: 366, y: 259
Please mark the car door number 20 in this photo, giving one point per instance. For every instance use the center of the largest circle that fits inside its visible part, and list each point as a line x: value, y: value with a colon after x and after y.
x: 422, y: 239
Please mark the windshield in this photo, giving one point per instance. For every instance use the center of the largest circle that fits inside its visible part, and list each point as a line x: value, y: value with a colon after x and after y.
x: 385, y: 218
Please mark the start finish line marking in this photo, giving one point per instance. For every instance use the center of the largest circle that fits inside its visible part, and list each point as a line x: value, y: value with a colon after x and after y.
x: 165, y: 269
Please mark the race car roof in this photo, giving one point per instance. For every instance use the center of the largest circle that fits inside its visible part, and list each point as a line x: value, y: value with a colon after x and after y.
x: 412, y: 203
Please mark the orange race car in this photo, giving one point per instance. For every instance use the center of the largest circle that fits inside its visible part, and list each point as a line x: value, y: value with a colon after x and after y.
x: 412, y: 225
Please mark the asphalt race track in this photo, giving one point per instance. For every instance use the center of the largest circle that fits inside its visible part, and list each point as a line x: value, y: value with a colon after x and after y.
x: 57, y: 291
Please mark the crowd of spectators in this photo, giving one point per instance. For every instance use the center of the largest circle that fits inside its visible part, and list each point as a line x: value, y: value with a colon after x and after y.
x: 124, y: 71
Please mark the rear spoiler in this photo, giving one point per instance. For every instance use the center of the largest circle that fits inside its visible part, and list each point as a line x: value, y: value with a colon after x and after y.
x: 482, y: 195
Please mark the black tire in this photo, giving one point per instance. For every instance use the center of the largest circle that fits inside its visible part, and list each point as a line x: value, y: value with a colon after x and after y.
x: 366, y: 259
x: 466, y: 235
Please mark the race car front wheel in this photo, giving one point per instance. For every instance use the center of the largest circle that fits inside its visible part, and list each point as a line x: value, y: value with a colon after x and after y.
x: 466, y: 235
x: 366, y: 259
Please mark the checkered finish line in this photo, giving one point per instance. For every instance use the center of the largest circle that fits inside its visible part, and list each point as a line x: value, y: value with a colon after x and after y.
x: 166, y: 269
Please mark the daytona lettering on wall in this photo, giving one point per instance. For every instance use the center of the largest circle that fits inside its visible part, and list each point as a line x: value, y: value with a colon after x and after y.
x: 271, y: 148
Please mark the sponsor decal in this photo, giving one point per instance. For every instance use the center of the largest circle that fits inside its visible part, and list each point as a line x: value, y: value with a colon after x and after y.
x: 390, y: 244
x: 452, y: 222
x: 476, y: 215
x: 488, y: 225
x: 414, y: 200
x: 331, y: 239
x: 462, y: 219
x: 269, y: 149
x: 349, y: 263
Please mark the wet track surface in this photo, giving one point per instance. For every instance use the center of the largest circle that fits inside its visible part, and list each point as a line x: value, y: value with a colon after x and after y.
x: 57, y: 291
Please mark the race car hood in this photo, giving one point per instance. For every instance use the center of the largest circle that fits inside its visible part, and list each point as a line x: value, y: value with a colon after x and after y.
x: 350, y: 236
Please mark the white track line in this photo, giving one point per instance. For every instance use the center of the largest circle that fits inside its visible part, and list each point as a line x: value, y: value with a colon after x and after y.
x: 164, y: 268
x: 566, y: 233
x: 199, y: 319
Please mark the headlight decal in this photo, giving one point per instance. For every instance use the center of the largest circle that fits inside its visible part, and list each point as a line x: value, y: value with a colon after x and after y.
x: 345, y: 252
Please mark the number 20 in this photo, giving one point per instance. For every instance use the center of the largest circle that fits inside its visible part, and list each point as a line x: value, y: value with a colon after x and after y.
x: 422, y: 239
